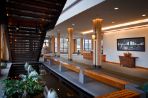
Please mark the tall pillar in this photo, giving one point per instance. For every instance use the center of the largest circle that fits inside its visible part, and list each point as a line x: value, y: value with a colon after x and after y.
x: 81, y: 45
x: 53, y: 45
x: 70, y: 40
x: 49, y: 44
x: 3, y: 44
x: 58, y: 45
x: 97, y: 25
x: 0, y: 44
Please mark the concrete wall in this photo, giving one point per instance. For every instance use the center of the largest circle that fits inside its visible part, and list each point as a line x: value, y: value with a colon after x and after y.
x: 110, y: 45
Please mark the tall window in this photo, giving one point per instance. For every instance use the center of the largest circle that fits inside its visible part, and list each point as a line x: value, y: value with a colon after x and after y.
x: 63, y: 45
x: 56, y: 50
x: 87, y: 44
x: 78, y: 44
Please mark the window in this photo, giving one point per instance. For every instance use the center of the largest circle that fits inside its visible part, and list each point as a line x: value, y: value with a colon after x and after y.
x: 78, y: 44
x: 63, y: 45
x: 56, y: 50
x: 87, y: 44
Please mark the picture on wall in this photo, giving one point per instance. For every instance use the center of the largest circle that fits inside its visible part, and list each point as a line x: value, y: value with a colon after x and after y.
x: 131, y: 44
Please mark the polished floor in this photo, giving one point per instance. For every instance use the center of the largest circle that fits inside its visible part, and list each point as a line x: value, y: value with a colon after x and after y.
x: 133, y: 75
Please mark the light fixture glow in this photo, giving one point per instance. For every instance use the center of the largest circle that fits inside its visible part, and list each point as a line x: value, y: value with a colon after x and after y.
x: 119, y: 25
x: 93, y: 37
x: 143, y: 15
x: 116, y: 8
x: 73, y: 24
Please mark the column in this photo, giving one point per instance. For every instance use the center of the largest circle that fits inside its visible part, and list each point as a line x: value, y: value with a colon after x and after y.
x: 97, y: 25
x: 70, y: 40
x: 49, y: 44
x: 0, y: 44
x: 81, y: 45
x: 3, y: 44
x: 58, y: 45
x: 53, y: 45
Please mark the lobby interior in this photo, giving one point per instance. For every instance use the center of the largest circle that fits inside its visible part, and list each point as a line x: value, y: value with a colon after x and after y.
x: 97, y: 48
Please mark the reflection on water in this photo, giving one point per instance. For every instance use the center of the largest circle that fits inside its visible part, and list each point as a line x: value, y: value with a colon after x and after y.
x: 63, y: 88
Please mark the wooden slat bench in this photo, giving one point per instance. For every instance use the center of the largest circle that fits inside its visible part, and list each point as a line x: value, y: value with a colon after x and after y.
x: 121, y: 94
x: 115, y: 82
x: 70, y: 67
x: 55, y: 61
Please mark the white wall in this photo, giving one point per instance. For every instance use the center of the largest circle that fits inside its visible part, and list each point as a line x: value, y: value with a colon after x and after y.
x: 110, y: 45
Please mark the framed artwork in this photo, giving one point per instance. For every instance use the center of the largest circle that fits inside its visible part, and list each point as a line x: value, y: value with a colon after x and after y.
x: 131, y: 44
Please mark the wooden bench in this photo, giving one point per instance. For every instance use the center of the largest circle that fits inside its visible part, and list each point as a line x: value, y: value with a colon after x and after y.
x: 121, y: 94
x: 55, y: 61
x: 115, y: 82
x: 70, y: 67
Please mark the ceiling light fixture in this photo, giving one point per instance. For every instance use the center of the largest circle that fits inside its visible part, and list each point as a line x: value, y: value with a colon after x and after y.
x: 143, y: 15
x: 113, y: 22
x: 119, y: 25
x: 116, y: 8
x: 73, y: 24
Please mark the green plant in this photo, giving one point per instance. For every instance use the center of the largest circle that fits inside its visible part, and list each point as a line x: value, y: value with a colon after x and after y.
x: 28, y: 84
x: 11, y: 87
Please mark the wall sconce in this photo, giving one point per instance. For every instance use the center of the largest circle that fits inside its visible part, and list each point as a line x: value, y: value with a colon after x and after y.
x: 93, y: 37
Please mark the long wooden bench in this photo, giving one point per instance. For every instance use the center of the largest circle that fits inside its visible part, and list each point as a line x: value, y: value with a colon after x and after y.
x: 121, y: 94
x: 70, y: 67
x: 55, y: 61
x: 115, y: 82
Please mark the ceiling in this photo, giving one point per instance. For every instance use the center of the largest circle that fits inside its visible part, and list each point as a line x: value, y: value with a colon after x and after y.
x: 129, y: 10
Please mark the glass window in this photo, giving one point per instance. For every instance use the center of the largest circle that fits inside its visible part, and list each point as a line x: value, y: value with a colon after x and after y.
x: 63, y: 45
x: 56, y: 50
x: 87, y: 44
x: 78, y: 44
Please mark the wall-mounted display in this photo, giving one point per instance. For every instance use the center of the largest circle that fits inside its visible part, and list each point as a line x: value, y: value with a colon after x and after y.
x: 131, y: 44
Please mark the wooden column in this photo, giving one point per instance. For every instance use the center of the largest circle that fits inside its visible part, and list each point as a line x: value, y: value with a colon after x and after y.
x: 58, y: 45
x: 49, y: 43
x: 3, y: 44
x: 0, y: 44
x: 70, y: 41
x: 81, y: 45
x: 53, y: 45
x: 97, y: 25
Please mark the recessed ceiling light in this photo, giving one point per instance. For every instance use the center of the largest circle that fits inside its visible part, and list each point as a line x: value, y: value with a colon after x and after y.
x: 73, y: 24
x: 143, y: 15
x: 17, y: 28
x: 113, y: 22
x: 116, y: 8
